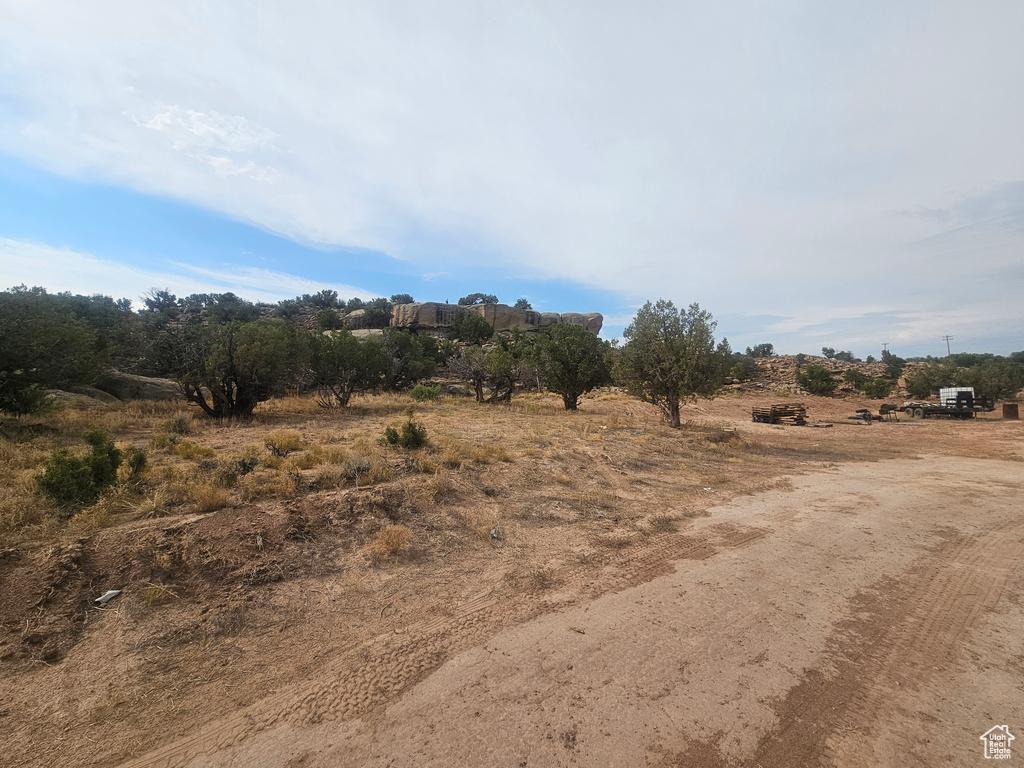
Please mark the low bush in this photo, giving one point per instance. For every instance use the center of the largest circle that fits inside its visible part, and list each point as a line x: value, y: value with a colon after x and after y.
x: 74, y: 482
x: 878, y: 389
x: 857, y: 378
x: 422, y: 393
x: 409, y: 435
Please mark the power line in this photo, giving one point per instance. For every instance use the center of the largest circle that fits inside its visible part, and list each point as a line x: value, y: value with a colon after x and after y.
x: 946, y: 339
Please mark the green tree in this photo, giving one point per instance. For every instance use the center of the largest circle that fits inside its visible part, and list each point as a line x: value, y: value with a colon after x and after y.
x: 523, y: 304
x: 817, y: 380
x: 472, y: 328
x: 504, y: 372
x: 228, y: 369
x: 929, y: 378
x: 855, y: 377
x: 328, y: 319
x: 411, y: 358
x: 469, y: 364
x: 43, y: 345
x: 878, y: 389
x: 378, y: 313
x: 573, y: 361
x: 828, y: 352
x: 342, y: 365
x: 402, y: 298
x: 893, y: 365
x: 997, y: 378
x: 670, y: 356
x: 478, y: 298
x: 742, y: 367
x: 761, y: 350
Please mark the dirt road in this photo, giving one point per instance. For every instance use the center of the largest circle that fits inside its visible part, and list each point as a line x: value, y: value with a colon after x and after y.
x: 869, y: 616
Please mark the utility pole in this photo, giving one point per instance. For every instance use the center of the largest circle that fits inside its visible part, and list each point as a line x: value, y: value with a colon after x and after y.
x: 946, y: 339
x: 885, y: 346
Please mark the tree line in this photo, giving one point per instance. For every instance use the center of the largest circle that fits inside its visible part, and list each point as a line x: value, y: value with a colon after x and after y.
x: 228, y: 355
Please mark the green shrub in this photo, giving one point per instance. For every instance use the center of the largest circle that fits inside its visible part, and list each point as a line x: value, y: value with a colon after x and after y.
x: 74, y: 482
x: 24, y: 400
x: 857, y: 378
x: 422, y: 392
x: 472, y: 329
x: 816, y: 380
x: 878, y: 389
x: 137, y: 462
x: 743, y: 367
x: 409, y: 435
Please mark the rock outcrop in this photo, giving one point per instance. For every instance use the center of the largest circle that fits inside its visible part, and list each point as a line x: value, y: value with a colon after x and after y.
x: 127, y: 386
x: 436, y: 316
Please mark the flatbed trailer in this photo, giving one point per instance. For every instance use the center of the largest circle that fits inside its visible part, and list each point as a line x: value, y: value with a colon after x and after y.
x: 954, y: 403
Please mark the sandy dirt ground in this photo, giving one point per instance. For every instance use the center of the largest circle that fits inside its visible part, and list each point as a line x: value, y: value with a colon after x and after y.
x: 868, y: 615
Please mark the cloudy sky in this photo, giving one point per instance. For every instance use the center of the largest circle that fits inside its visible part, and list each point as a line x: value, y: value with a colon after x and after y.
x: 840, y: 174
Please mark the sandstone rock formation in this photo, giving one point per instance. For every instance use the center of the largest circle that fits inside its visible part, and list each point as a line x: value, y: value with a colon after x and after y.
x: 435, y: 316
x: 127, y: 386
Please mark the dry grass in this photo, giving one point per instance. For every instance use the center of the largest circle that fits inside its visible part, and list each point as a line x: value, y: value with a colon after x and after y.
x: 389, y: 543
x: 281, y: 442
x: 154, y: 593
x: 663, y: 524
x: 207, y: 497
x: 190, y: 451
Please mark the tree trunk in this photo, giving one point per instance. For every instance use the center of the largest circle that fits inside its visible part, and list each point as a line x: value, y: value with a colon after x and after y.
x: 673, y: 411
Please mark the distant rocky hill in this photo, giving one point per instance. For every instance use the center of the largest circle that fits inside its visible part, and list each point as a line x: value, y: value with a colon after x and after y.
x: 778, y: 374
x: 435, y: 316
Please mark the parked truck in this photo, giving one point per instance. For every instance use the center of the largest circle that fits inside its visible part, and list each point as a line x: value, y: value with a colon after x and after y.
x: 954, y: 402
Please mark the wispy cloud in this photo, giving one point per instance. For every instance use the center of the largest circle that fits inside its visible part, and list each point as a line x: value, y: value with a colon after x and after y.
x: 68, y: 270
x: 600, y: 144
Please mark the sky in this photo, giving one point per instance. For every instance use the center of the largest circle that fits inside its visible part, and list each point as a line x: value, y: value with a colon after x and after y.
x: 814, y: 174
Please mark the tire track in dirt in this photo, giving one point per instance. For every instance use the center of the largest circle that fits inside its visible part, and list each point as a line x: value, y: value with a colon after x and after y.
x: 912, y: 632
x: 368, y: 677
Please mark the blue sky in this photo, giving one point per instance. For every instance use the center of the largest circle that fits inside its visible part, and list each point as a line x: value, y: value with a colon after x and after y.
x: 191, y: 249
x: 812, y: 174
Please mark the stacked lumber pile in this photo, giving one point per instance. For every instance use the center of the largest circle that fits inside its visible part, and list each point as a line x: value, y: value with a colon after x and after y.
x: 792, y: 413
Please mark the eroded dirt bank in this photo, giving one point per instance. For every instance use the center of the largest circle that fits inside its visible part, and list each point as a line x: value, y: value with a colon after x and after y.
x: 869, y: 616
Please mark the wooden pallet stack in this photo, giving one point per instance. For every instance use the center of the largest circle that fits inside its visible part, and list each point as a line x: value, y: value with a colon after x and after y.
x: 791, y: 413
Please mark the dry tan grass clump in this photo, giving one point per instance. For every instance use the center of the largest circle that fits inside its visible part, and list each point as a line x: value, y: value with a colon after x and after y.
x: 208, y: 497
x: 281, y: 442
x: 192, y: 451
x: 389, y: 542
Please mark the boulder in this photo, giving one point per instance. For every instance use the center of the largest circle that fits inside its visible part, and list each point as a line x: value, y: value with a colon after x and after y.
x: 549, y: 318
x: 64, y: 399
x: 128, y: 386
x: 95, y: 394
x: 368, y: 333
x: 592, y: 321
x: 355, y: 319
